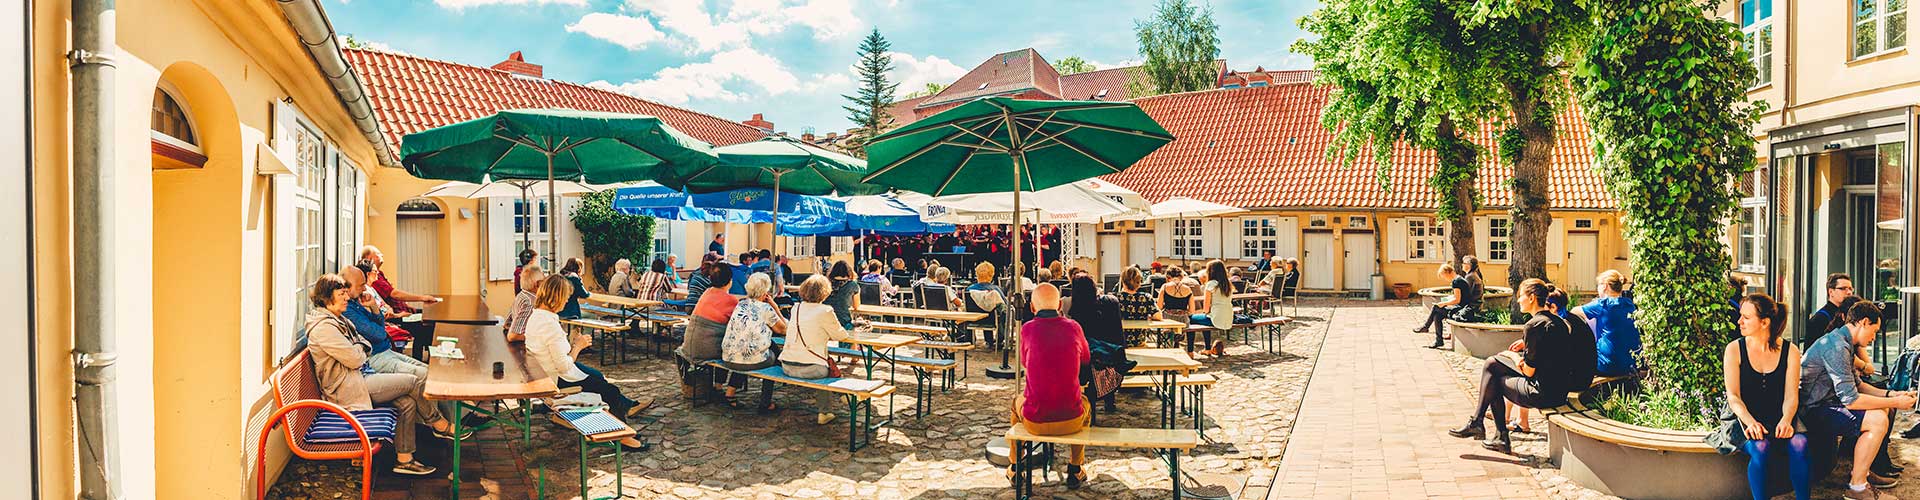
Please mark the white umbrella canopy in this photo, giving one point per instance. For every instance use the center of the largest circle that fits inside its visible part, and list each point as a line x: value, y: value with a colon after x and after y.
x: 1063, y: 204
x: 518, y: 188
x: 1137, y: 206
x: 1181, y: 207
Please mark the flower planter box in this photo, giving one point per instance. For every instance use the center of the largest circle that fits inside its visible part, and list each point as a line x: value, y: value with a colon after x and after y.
x: 1631, y: 461
x: 1496, y: 297
x: 1481, y: 340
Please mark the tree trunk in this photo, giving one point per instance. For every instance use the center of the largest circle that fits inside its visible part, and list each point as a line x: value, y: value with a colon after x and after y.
x: 1532, y: 214
x: 1456, y: 151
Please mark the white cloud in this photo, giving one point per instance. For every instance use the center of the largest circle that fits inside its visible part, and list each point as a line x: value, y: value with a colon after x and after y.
x: 382, y: 47
x: 631, y: 32
x: 718, y: 79
x: 462, y: 4
x: 699, y: 30
x: 915, y: 73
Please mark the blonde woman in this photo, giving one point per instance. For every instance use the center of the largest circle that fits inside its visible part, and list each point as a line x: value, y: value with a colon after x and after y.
x: 554, y: 350
x: 814, y: 325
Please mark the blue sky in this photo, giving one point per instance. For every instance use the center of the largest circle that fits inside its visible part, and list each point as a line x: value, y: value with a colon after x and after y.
x: 788, y: 59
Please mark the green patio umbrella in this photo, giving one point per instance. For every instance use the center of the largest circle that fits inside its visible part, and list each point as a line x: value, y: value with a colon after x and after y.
x: 781, y: 164
x: 992, y: 145
x: 554, y: 144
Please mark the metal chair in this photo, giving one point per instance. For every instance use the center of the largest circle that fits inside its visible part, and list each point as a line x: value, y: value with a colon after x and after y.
x: 297, y: 394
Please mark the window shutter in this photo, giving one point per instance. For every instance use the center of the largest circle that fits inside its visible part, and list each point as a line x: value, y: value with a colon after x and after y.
x: 1288, y: 230
x: 1210, y: 236
x: 1235, y: 233
x: 571, y: 245
x: 1480, y: 246
x: 1446, y: 241
x: 285, y: 304
x: 500, y: 237
x: 1556, y: 241
x: 285, y: 122
x: 1396, y: 239
x: 1163, y: 238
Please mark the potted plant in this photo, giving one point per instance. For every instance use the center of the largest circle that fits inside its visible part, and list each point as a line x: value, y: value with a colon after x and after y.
x: 1402, y: 290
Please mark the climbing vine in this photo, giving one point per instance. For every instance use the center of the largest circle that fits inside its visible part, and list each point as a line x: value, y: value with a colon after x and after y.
x: 606, y: 235
x: 1664, y: 88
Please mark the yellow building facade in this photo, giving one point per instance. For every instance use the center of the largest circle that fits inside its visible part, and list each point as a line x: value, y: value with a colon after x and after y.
x: 237, y: 173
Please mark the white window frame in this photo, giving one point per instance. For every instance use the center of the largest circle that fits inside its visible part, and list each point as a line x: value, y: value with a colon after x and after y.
x: 324, y: 196
x: 1189, y: 238
x: 1317, y: 221
x: 1499, y: 239
x: 842, y: 245
x: 1426, y: 240
x: 1750, y: 238
x: 800, y: 246
x: 1757, y: 36
x: 174, y: 93
x: 538, y: 238
x: 1258, y: 236
x: 1356, y: 222
x: 1880, y: 20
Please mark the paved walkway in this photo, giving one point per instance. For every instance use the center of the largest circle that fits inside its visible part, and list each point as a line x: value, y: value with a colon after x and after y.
x: 1373, y: 423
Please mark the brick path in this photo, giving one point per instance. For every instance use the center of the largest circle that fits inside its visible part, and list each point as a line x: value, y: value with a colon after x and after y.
x: 1374, y: 420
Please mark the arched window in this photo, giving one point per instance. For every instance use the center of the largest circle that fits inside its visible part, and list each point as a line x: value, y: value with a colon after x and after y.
x: 418, y: 208
x: 175, y: 145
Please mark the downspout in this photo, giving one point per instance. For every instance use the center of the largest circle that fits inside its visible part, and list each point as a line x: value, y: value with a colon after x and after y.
x: 309, y: 21
x: 94, y: 200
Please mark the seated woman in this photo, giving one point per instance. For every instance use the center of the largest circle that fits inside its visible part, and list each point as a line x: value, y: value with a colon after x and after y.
x: 1135, y: 304
x: 748, y: 345
x: 1441, y: 311
x: 1176, y: 297
x: 707, y: 326
x: 339, y: 353
x: 516, y: 327
x: 654, y: 283
x: 1052, y: 351
x: 550, y: 347
x: 805, y: 355
x: 846, y: 292
x: 572, y: 273
x: 1766, y: 402
x: 939, y: 280
x: 621, y: 283
x: 1540, y: 378
x: 697, y: 283
x: 1216, y: 298
x: 984, y: 296
x: 1098, y: 315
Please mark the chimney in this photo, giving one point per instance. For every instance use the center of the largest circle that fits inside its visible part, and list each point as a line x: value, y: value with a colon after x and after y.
x: 808, y: 137
x: 518, y: 65
x: 831, y: 135
x: 760, y: 122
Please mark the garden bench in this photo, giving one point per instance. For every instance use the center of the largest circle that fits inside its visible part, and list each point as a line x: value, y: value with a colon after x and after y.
x: 1167, y: 442
x: 857, y: 393
x: 297, y: 393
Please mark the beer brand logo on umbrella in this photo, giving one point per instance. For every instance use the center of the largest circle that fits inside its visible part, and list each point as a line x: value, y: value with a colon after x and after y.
x: 743, y: 196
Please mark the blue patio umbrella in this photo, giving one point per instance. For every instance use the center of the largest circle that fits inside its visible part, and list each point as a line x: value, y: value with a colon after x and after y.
x: 802, y: 215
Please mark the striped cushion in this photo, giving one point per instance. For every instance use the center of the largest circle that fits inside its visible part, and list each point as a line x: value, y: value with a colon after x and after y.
x: 328, y: 427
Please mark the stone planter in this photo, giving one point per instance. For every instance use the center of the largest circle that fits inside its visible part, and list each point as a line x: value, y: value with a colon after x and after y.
x: 1496, y: 296
x: 1630, y: 461
x: 1402, y: 290
x: 1481, y: 340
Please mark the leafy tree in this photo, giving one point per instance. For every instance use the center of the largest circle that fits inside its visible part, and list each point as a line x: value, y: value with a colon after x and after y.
x: 606, y: 235
x: 1665, y: 90
x: 929, y: 90
x: 1406, y: 71
x: 1071, y: 65
x: 1179, y: 45
x: 868, y: 111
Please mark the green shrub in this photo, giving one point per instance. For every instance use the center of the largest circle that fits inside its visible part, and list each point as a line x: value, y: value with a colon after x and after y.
x: 1660, y: 410
x: 606, y: 235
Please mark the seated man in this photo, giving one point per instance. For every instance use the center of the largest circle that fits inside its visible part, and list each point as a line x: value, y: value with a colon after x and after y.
x: 1834, y: 403
x: 1052, y: 350
x: 395, y: 297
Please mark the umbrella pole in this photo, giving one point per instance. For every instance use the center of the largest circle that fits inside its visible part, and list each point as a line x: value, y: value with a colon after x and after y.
x: 1005, y: 370
x: 776, y: 209
x: 553, y: 215
x: 526, y: 237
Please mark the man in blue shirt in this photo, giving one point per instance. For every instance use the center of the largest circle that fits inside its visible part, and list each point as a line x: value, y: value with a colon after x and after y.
x: 366, y: 320
x: 1835, y: 403
x: 1615, y: 335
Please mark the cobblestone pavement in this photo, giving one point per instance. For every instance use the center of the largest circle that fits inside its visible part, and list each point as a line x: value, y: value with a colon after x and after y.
x: 710, y: 451
x: 1374, y: 421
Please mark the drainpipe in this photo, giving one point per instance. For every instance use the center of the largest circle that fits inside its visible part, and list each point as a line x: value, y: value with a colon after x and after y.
x: 316, y: 34
x: 94, y: 230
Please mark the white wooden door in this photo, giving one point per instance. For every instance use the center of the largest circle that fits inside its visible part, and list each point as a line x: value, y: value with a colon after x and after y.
x: 1109, y: 251
x: 1358, y: 270
x: 16, y: 301
x: 1140, y: 249
x: 418, y: 255
x: 1583, y: 260
x: 1317, y: 267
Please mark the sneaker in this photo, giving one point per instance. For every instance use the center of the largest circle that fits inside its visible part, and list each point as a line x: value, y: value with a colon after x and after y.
x: 1882, y: 482
x: 1866, y: 494
x: 823, y: 418
x: 465, y: 432
x: 413, y: 468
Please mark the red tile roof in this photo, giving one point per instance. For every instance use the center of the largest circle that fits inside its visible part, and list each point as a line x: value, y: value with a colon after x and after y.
x: 1087, y: 86
x: 1264, y: 148
x: 412, y: 93
x: 1003, y: 73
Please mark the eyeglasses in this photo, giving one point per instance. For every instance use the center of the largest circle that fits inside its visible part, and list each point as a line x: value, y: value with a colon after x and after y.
x: 1847, y: 288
